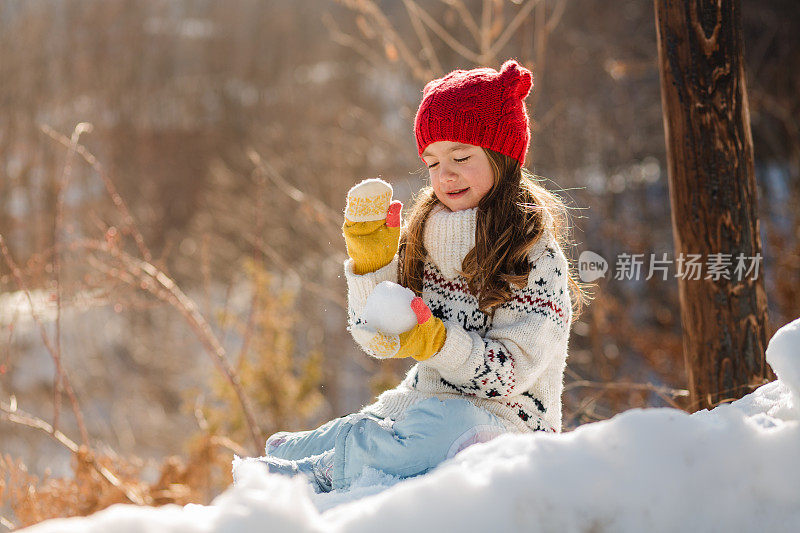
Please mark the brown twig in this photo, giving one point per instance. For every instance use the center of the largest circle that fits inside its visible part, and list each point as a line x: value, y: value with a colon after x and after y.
x: 129, y: 224
x: 4, y: 362
x: 328, y: 219
x: 585, y: 406
x: 5, y: 522
x: 46, y: 340
x: 662, y: 391
x: 488, y: 35
x: 422, y: 35
x: 224, y: 313
x: 623, y: 385
x: 228, y: 444
x: 389, y: 34
x: 344, y: 39
x: 445, y: 36
x: 753, y: 385
x: 512, y: 27
x: 265, y: 168
x: 466, y: 18
x: 667, y: 399
x: 486, y: 23
x: 217, y: 440
x: 249, y: 328
x: 61, y: 186
x: 205, y: 269
x: 555, y: 16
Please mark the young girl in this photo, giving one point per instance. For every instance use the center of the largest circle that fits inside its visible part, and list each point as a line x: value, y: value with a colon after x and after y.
x: 482, y: 253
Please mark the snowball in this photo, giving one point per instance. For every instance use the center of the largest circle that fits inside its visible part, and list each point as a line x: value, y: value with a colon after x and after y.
x: 388, y: 309
x: 783, y: 355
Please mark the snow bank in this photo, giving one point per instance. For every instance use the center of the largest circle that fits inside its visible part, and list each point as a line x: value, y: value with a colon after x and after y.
x: 734, y: 468
x: 783, y: 353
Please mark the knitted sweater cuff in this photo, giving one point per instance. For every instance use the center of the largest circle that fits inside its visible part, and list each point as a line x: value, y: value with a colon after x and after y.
x: 455, y: 352
x: 359, y: 287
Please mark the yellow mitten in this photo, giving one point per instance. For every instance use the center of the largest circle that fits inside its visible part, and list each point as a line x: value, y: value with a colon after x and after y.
x: 371, y: 226
x: 426, y: 338
x: 420, y: 342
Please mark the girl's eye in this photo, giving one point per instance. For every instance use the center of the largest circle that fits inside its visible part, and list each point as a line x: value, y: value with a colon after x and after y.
x: 456, y: 159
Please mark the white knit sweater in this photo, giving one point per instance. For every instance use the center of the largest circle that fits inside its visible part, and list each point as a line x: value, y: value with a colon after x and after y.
x: 511, y: 365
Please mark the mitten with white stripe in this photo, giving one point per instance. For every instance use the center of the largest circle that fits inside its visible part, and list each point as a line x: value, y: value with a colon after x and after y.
x: 371, y: 226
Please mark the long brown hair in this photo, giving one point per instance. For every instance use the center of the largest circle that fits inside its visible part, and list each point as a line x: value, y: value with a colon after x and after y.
x: 511, y: 218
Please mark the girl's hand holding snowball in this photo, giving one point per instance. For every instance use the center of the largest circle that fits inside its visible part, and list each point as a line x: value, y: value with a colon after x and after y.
x: 396, y: 324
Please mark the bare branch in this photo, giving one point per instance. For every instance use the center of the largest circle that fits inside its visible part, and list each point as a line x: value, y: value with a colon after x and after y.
x: 540, y: 51
x: 675, y: 393
x: 427, y: 47
x: 753, y: 385
x: 510, y: 29
x: 344, y: 39
x: 61, y: 186
x: 128, y: 221
x: 555, y: 17
x: 587, y: 407
x: 5, y: 522
x: 264, y: 166
x: 466, y: 18
x: 445, y: 36
x: 60, y: 370
x: 390, y: 35
x: 486, y: 22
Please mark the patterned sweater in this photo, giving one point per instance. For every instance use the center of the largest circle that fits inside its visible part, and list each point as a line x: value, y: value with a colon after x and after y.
x: 511, y: 365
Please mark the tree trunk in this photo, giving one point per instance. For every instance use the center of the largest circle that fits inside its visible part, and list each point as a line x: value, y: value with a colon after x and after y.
x: 713, y: 197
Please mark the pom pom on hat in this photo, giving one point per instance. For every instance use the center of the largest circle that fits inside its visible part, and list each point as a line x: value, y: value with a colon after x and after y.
x: 522, y: 77
x: 481, y: 106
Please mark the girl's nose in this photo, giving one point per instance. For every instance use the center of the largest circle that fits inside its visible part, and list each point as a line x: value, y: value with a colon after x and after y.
x: 448, y: 174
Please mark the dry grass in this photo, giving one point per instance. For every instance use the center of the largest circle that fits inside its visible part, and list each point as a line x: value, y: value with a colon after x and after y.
x: 195, y: 478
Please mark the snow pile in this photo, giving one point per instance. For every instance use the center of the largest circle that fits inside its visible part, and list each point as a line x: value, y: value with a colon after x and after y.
x: 734, y: 468
x: 783, y: 353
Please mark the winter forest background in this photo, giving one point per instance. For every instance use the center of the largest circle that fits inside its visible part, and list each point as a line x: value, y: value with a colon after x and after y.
x: 223, y: 139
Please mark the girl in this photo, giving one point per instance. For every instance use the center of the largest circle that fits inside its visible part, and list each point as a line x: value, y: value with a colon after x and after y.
x: 482, y: 252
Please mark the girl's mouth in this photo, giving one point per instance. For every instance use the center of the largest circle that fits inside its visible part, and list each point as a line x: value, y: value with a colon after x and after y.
x: 457, y: 194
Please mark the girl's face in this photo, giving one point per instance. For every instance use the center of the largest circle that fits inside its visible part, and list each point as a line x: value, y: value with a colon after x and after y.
x: 460, y: 173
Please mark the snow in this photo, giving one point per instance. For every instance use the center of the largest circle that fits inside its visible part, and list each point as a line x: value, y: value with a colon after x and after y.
x: 388, y: 309
x: 734, y: 468
x: 782, y: 354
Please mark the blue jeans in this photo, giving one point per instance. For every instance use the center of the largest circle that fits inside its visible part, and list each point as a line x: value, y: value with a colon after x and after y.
x: 428, y: 433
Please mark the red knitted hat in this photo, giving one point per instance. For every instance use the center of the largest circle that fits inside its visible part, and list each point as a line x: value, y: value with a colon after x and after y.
x: 479, y: 106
